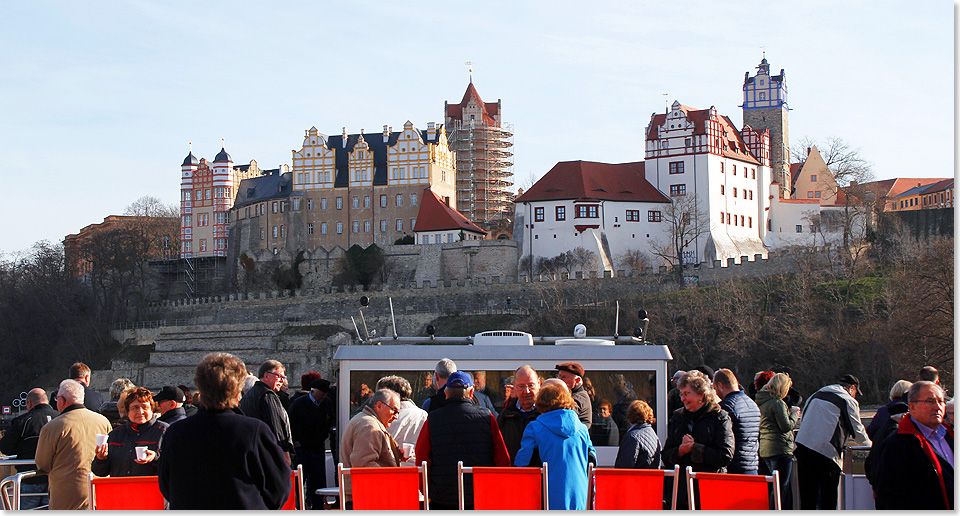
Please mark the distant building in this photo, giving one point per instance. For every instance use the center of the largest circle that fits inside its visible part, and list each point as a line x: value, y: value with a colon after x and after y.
x: 923, y: 197
x: 438, y: 223
x: 813, y: 180
x: 483, y: 146
x: 157, y: 239
x: 765, y: 108
x: 261, y: 214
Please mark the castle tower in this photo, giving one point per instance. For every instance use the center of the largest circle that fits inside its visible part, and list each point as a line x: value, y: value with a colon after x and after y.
x: 765, y: 107
x: 188, y: 170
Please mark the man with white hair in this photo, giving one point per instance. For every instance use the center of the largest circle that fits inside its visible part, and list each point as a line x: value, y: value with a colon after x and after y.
x: 445, y: 367
x: 67, y: 447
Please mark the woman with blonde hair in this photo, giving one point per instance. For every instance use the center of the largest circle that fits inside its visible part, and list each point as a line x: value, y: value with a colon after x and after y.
x: 777, y: 422
x: 563, y: 443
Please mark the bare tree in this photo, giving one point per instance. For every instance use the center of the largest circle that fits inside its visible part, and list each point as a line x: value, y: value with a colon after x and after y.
x: 685, y: 223
x: 584, y: 258
x: 633, y: 259
x: 844, y: 161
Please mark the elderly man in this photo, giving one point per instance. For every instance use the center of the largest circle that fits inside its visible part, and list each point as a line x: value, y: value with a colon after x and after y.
x: 233, y: 459
x: 263, y: 402
x: 366, y: 442
x: 745, y: 415
x: 572, y: 375
x: 458, y: 431
x: 406, y: 428
x: 21, y: 440
x: 440, y: 374
x: 170, y: 401
x: 830, y: 417
x: 311, y: 418
x: 67, y: 447
x: 91, y: 398
x: 915, y: 468
x: 518, y: 408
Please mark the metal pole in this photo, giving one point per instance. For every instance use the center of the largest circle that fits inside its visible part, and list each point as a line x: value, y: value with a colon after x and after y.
x: 392, y: 319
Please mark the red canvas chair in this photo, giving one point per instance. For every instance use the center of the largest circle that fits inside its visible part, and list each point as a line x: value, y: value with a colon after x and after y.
x: 728, y: 491
x: 505, y: 488
x: 125, y: 493
x: 296, y: 500
x: 385, y: 488
x: 630, y: 489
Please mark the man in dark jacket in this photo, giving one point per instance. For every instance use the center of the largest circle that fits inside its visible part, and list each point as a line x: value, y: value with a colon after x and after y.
x: 262, y: 402
x: 91, y: 398
x: 571, y: 373
x: 745, y: 416
x: 170, y: 400
x: 311, y: 417
x: 444, y: 368
x: 234, y: 458
x: 519, y: 409
x: 915, y: 468
x: 21, y: 440
x: 458, y: 431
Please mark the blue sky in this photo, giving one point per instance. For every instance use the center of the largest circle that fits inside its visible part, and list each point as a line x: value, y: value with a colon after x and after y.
x: 98, y: 101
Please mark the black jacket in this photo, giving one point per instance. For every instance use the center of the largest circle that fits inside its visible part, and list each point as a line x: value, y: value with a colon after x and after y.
x: 584, y: 405
x: 604, y: 432
x: 234, y: 458
x: 173, y: 415
x: 745, y: 416
x: 512, y: 423
x: 713, y: 446
x: 459, y: 431
x: 907, y: 477
x: 121, y: 450
x: 311, y: 423
x: 21, y: 437
x: 92, y: 399
x: 110, y: 411
x: 263, y: 403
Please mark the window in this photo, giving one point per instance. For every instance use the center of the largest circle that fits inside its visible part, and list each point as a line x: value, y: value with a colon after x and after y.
x: 587, y: 211
x: 366, y: 226
x: 261, y: 234
x: 283, y: 206
x: 749, y: 222
x: 276, y: 231
x: 741, y: 220
x: 296, y: 204
x: 734, y: 191
x: 721, y: 217
x: 283, y: 231
x: 751, y: 195
x: 763, y: 96
x: 323, y: 203
x: 383, y: 225
x: 654, y: 216
x: 309, y: 204
x: 356, y: 226
x: 399, y: 199
x: 813, y: 178
x: 339, y: 228
x: 413, y: 223
x: 356, y: 201
x: 309, y: 228
x: 744, y: 194
x: 734, y: 170
x: 677, y: 190
x: 728, y: 218
x: 203, y: 245
x: 753, y: 173
x: 561, y: 213
x: 186, y: 220
x: 734, y: 220
x: 339, y: 203
x: 187, y: 195
x: 676, y: 167
x: 686, y: 142
x: 809, y: 195
x: 399, y: 224
x: 323, y: 228
x: 721, y: 189
x: 721, y: 168
x: 799, y: 228
x: 366, y: 201
x: 816, y: 194
x: 275, y: 207
x: 383, y: 201
x: 206, y: 193
x: 538, y: 214
x: 413, y: 199
x: 633, y: 216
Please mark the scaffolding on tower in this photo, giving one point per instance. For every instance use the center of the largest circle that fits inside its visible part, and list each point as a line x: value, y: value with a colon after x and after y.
x: 484, y: 170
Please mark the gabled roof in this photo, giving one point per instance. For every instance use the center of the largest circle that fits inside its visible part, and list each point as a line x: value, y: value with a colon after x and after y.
x: 376, y: 145
x: 927, y: 188
x: 734, y: 146
x: 489, y: 111
x: 589, y: 180
x: 795, y: 172
x: 894, y: 187
x: 435, y: 215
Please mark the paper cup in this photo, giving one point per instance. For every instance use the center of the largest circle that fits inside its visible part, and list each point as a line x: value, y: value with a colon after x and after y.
x: 141, y: 452
x: 407, y: 449
x: 101, y: 439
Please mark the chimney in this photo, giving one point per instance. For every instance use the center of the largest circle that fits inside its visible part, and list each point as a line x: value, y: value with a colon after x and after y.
x: 386, y: 134
x: 808, y: 151
x: 431, y: 132
x: 343, y: 138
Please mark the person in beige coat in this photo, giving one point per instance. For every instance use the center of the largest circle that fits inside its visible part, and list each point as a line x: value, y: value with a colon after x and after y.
x: 366, y: 442
x: 67, y: 446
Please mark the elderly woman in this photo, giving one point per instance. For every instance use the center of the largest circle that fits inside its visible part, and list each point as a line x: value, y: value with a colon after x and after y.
x: 700, y: 434
x: 118, y: 458
x: 640, y: 447
x: 110, y: 408
x: 563, y: 443
x: 777, y: 421
x: 897, y: 395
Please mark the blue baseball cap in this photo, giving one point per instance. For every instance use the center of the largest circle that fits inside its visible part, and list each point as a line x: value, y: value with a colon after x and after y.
x: 459, y: 379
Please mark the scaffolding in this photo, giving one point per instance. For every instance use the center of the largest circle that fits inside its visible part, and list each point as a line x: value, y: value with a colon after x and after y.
x: 484, y: 170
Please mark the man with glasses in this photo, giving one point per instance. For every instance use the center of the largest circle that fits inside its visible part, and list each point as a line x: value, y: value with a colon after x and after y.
x: 915, y: 468
x: 366, y: 442
x: 263, y: 402
x: 518, y: 409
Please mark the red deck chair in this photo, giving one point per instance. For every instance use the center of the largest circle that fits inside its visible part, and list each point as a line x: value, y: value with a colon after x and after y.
x: 728, y: 491
x: 296, y: 500
x: 630, y: 489
x: 125, y: 493
x: 385, y: 488
x: 526, y: 488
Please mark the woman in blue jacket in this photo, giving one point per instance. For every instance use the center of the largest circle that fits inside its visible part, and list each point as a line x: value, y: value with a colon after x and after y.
x: 563, y: 443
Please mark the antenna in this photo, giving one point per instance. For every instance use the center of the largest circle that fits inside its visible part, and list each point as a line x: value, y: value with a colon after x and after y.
x: 616, y: 324
x: 392, y: 319
x: 470, y: 69
x: 191, y: 147
x: 223, y: 143
x: 356, y: 328
x: 666, y: 108
x: 364, y: 302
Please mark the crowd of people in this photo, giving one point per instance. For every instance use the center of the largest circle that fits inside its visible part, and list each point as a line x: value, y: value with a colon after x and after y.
x: 239, y: 434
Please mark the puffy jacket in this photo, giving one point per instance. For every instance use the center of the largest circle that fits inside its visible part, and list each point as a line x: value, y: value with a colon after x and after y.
x: 830, y: 417
x: 639, y: 449
x: 745, y: 416
x: 713, y: 446
x: 564, y: 444
x: 121, y: 450
x: 776, y: 425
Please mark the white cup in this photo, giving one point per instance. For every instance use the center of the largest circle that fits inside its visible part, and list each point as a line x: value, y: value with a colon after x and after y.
x: 102, y: 439
x: 408, y: 450
x: 141, y: 452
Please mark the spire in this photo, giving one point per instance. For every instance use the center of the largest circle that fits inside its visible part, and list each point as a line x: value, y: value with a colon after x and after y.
x: 470, y: 70
x: 190, y: 160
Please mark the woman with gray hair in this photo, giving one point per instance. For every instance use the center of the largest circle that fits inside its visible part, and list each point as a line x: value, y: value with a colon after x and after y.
x: 406, y: 429
x: 898, y: 394
x: 777, y: 422
x: 110, y: 409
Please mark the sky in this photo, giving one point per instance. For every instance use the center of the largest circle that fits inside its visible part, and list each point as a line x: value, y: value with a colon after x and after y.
x: 99, y: 101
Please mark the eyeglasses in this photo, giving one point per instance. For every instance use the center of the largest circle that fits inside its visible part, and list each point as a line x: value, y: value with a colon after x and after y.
x: 393, y: 411
x: 278, y: 375
x: 933, y: 401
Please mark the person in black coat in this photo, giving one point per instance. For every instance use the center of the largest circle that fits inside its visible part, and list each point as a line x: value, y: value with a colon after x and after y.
x: 700, y: 434
x: 118, y: 458
x: 234, y: 458
x: 311, y: 418
x: 170, y: 401
x: 604, y: 431
x: 21, y: 440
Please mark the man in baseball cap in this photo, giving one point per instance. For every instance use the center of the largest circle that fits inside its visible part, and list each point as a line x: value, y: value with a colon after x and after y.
x: 170, y: 399
x: 571, y: 373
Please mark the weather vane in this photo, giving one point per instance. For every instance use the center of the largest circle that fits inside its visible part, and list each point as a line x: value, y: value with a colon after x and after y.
x: 470, y: 69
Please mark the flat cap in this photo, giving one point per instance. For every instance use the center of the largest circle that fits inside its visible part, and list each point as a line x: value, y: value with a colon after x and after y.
x: 571, y: 367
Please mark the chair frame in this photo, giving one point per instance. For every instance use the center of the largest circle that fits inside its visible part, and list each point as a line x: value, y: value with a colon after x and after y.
x: 774, y: 479
x: 421, y: 469
x: 592, y: 475
x: 300, y: 503
x: 461, y: 469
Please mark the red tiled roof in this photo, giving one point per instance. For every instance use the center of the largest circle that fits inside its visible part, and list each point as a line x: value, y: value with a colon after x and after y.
x: 699, y: 118
x: 795, y: 172
x: 435, y: 215
x: 800, y: 201
x: 588, y: 180
x: 489, y: 110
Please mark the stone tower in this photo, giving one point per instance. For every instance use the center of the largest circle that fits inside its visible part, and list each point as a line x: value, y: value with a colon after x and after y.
x: 765, y: 107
